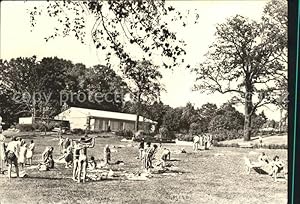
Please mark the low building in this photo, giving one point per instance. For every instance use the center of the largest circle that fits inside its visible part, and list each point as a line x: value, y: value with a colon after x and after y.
x: 98, y: 120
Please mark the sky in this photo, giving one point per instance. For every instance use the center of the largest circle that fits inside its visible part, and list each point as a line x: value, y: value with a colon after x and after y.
x: 17, y: 40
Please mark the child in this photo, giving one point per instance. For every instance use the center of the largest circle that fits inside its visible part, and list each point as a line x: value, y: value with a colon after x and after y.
x: 22, y: 154
x: 92, y: 163
x: 107, y: 154
x: 30, y: 152
x: 141, y: 149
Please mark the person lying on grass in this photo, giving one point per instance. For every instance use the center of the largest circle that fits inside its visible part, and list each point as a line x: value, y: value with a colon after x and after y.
x: 277, y: 167
x: 12, y: 154
x: 263, y: 159
x: 81, y: 166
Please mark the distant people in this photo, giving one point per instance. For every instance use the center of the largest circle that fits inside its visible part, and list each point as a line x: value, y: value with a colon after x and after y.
x: 22, y: 154
x: 196, y: 143
x: 141, y: 149
x: 12, y: 152
x: 145, y: 156
x: 107, y: 154
x: 2, y: 153
x: 108, y: 129
x: 47, y: 158
x: 277, y: 167
x: 30, y: 152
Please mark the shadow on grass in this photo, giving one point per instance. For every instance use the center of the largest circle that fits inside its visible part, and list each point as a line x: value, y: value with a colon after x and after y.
x: 44, y: 178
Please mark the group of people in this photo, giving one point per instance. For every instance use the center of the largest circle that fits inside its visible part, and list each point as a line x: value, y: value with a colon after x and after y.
x: 275, y: 165
x: 15, y: 153
x: 202, y: 140
x: 153, y: 155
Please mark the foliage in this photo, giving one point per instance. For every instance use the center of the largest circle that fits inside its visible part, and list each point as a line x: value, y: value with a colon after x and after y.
x: 171, y: 119
x: 145, y: 85
x: 254, y: 67
x: 196, y: 128
x: 128, y: 134
x: 227, y: 118
x: 119, y: 27
x: 185, y: 137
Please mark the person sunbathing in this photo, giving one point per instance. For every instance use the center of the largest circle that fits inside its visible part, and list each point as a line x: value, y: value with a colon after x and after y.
x: 277, y: 167
x: 263, y: 159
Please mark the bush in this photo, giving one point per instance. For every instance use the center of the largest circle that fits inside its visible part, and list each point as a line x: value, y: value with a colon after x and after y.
x: 128, y: 134
x: 78, y: 131
x: 222, y: 135
x: 165, y: 134
x: 185, y: 137
x: 24, y: 127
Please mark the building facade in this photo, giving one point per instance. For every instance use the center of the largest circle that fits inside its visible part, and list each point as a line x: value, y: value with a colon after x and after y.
x: 98, y: 120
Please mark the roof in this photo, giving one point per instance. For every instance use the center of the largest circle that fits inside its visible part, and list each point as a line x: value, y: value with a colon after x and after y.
x: 108, y: 114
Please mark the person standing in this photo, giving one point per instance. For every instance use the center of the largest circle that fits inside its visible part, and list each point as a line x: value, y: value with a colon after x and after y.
x: 2, y: 153
x: 141, y: 149
x: 107, y: 154
x: 22, y: 154
x: 196, y: 142
x: 30, y: 152
x: 12, y: 152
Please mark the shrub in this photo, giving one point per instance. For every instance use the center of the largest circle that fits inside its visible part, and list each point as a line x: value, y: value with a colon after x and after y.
x: 222, y: 135
x: 166, y: 134
x: 78, y: 131
x: 128, y: 134
x: 24, y: 127
x: 185, y: 137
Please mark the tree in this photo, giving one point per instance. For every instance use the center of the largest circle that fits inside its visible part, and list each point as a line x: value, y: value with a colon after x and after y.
x: 189, y: 116
x: 144, y: 84
x: 206, y: 113
x: 275, y: 17
x: 244, y: 60
x: 171, y: 119
x: 119, y: 27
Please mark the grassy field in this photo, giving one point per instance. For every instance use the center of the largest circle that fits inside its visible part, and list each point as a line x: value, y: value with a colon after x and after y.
x: 212, y: 176
x: 273, y: 139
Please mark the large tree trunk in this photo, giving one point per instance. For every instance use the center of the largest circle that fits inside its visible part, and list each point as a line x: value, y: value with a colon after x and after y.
x: 280, y: 120
x: 138, y: 113
x: 248, y: 115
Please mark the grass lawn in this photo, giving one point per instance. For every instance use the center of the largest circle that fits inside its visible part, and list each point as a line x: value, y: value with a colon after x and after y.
x: 273, y: 139
x: 212, y: 176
